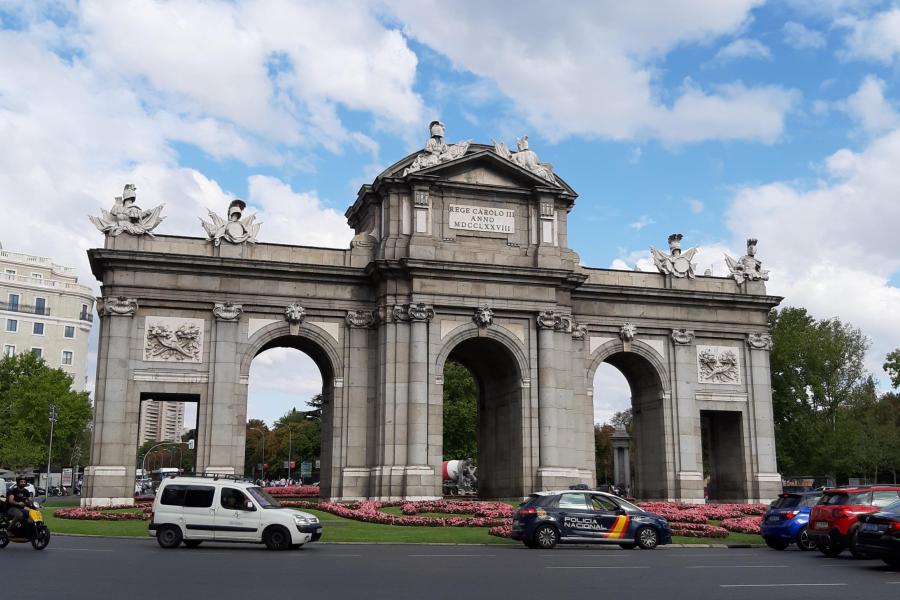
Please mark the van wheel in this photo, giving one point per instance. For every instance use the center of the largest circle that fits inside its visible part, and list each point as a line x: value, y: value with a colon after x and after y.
x: 168, y: 536
x: 277, y: 538
x: 192, y: 543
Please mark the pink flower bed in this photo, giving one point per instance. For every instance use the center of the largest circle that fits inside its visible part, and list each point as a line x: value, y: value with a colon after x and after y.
x: 697, y: 530
x: 294, y: 491
x: 105, y: 513
x: 743, y: 525
x: 486, y: 514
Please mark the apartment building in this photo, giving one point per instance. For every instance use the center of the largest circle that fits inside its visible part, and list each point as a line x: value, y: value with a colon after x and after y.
x: 161, y: 421
x: 45, y: 311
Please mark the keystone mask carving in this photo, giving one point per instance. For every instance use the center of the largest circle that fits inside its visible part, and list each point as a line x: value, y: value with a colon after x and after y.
x: 759, y: 341
x: 294, y: 315
x: 126, y: 217
x: 627, y: 332
x: 675, y: 263
x: 748, y: 268
x: 484, y: 316
x: 436, y: 150
x: 235, y: 230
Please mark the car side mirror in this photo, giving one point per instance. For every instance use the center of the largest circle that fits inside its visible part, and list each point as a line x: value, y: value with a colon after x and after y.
x: 621, y: 511
x: 250, y: 506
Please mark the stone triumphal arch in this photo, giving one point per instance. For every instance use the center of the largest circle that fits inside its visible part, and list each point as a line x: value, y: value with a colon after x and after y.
x: 460, y: 253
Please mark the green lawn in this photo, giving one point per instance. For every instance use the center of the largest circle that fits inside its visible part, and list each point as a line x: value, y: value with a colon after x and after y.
x: 338, y: 529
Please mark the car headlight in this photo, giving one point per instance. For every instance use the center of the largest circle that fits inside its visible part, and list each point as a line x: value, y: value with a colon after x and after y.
x: 301, y: 520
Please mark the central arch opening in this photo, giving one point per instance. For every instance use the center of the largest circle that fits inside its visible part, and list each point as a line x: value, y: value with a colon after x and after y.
x: 496, y: 381
x: 628, y: 395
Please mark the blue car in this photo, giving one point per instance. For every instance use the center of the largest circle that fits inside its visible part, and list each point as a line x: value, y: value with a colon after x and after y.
x: 587, y: 517
x: 786, y: 520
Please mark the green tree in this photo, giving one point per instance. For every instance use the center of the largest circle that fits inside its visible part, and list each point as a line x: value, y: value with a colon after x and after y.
x: 253, y: 445
x: 892, y: 367
x: 460, y: 413
x: 27, y: 388
x: 603, y: 454
x: 299, y: 432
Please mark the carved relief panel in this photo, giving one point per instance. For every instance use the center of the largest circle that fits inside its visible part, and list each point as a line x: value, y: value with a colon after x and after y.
x: 173, y: 339
x: 719, y: 365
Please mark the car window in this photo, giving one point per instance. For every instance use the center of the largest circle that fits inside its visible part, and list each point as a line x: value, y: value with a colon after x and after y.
x: 573, y: 501
x: 845, y: 498
x: 232, y: 499
x: 542, y: 501
x: 262, y: 498
x: 884, y: 498
x: 173, y: 495
x: 893, y: 508
x: 786, y: 502
x: 603, y: 504
x: 199, y: 496
x: 810, y: 500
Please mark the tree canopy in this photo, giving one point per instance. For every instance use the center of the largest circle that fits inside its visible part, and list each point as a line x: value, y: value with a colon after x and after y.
x: 460, y: 413
x: 28, y: 386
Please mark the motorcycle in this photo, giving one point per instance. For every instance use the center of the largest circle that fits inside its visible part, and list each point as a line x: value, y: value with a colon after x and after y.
x: 32, y: 530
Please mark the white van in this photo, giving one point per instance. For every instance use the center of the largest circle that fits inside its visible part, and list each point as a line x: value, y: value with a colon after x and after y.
x: 214, y: 508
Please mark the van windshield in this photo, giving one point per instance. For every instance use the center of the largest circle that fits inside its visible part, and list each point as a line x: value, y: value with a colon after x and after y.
x: 262, y: 498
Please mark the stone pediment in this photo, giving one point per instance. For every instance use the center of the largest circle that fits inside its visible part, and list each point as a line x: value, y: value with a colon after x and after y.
x: 481, y: 165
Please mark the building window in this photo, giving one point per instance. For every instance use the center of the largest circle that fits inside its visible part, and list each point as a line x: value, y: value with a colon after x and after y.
x: 9, y: 350
x: 13, y: 303
x: 67, y: 357
x: 38, y: 352
x: 37, y: 328
x: 37, y: 276
x: 10, y: 272
x: 12, y: 325
x: 69, y: 332
x: 40, y: 306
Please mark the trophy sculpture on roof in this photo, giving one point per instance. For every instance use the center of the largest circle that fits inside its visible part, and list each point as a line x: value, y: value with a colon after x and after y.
x: 675, y: 263
x: 126, y: 217
x: 235, y: 230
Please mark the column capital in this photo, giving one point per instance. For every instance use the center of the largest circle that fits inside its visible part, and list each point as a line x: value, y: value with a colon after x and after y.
x: 120, y: 306
x: 227, y: 311
x: 555, y: 320
x: 682, y: 337
x: 412, y: 312
x: 759, y: 341
x: 361, y: 319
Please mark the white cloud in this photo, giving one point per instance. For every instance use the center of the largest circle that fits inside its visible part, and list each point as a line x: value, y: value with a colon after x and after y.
x: 591, y: 69
x: 870, y: 109
x: 695, y: 205
x: 281, y: 379
x: 824, y: 242
x: 744, y: 48
x: 642, y: 222
x: 801, y: 37
x: 875, y: 38
x: 612, y: 393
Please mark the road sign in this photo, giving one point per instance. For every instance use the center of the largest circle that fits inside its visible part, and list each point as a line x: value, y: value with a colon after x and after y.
x: 305, y: 469
x: 191, y: 444
x: 67, y: 477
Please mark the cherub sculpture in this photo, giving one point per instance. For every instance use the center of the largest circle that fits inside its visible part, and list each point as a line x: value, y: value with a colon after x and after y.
x: 235, y: 230
x: 675, y: 264
x: 748, y: 268
x: 126, y: 217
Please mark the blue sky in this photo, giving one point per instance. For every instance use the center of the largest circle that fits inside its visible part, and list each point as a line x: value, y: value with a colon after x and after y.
x: 720, y: 119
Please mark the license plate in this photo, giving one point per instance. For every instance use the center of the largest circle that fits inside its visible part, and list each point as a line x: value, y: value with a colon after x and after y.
x: 871, y: 527
x: 821, y: 525
x: 774, y: 518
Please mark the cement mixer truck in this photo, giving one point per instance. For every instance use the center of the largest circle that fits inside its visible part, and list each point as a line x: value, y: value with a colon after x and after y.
x: 459, y: 478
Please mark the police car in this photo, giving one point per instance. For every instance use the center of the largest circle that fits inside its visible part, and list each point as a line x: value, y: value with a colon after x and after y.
x: 574, y: 516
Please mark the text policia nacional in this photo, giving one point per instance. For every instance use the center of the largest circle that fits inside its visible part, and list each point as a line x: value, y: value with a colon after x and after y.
x: 475, y: 218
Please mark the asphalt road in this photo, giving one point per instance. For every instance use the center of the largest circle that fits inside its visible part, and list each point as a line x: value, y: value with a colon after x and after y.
x: 82, y: 567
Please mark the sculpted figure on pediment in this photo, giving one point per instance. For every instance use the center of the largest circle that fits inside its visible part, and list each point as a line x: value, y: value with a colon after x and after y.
x: 526, y: 158
x: 436, y: 150
x: 748, y: 267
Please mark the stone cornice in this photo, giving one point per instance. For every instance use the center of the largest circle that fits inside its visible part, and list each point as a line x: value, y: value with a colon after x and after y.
x: 674, y: 297
x: 564, y: 278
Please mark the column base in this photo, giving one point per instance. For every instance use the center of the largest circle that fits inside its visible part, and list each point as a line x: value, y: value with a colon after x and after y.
x: 557, y: 478
x: 768, y: 486
x: 689, y: 485
x: 393, y: 482
x: 106, y: 485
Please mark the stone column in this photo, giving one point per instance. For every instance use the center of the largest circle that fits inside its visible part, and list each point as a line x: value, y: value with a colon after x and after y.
x: 689, y: 474
x: 547, y: 322
x: 110, y: 477
x: 355, y: 474
x: 766, y: 478
x: 621, y: 444
x: 225, y: 430
x: 417, y: 417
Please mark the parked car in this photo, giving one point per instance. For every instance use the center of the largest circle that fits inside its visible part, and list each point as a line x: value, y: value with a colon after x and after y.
x: 548, y: 518
x: 833, y: 521
x: 786, y: 522
x: 192, y: 510
x: 878, y: 535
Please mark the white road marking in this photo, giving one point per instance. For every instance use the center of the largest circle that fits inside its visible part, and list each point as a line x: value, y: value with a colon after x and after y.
x: 742, y: 585
x: 81, y: 550
x: 737, y: 567
x: 448, y: 555
x: 598, y: 567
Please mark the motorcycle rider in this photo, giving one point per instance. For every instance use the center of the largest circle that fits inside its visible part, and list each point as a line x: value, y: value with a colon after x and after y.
x: 18, y: 497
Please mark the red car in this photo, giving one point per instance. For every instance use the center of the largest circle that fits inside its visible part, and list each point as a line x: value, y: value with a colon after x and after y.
x: 833, y: 521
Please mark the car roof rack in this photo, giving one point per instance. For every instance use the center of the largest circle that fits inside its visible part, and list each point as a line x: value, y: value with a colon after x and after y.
x: 213, y: 476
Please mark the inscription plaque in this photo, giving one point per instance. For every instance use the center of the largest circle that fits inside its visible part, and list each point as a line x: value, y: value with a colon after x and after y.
x: 477, y: 218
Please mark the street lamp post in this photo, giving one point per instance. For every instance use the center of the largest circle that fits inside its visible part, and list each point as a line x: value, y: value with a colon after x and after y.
x: 54, y: 408
x: 263, y: 434
x: 146, y: 454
